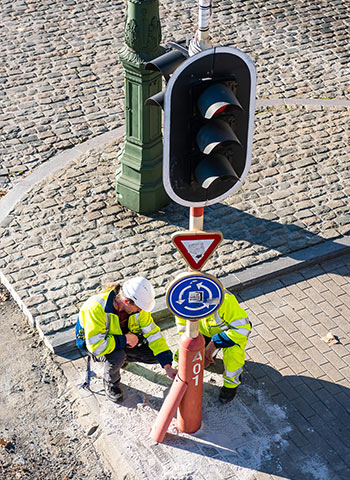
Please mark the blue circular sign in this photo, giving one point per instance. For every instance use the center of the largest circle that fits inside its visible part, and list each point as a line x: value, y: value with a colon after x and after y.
x: 194, y: 296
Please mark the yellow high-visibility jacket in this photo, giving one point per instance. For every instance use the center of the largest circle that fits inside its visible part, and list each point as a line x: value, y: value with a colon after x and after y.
x: 228, y: 326
x: 102, y: 331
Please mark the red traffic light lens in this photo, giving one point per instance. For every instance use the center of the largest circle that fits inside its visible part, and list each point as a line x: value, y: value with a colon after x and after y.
x: 220, y: 109
x: 214, y: 99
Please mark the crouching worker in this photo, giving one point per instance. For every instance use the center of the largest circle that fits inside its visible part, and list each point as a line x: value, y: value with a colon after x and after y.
x: 228, y: 328
x: 115, y: 326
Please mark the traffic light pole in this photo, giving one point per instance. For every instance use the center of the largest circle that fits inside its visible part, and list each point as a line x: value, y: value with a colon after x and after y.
x: 191, y: 366
x: 186, y: 393
x: 191, y: 358
x: 201, y: 40
x: 196, y: 218
x: 213, y: 93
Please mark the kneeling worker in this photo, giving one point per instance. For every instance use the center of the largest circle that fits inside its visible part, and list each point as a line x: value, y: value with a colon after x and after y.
x: 115, y: 326
x: 228, y: 328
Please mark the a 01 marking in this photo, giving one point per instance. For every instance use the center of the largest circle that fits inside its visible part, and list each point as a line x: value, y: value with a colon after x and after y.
x: 197, y: 367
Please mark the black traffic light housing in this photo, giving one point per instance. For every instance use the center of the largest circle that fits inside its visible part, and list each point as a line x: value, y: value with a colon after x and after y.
x: 166, y: 64
x: 209, y: 108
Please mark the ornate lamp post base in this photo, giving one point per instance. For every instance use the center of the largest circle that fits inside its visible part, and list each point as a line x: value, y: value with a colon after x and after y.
x: 139, y: 185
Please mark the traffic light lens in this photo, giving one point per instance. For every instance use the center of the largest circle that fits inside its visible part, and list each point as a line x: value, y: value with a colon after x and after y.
x: 213, y: 170
x: 221, y: 109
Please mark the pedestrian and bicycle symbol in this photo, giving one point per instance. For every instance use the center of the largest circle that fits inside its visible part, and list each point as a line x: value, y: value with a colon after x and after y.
x: 194, y: 296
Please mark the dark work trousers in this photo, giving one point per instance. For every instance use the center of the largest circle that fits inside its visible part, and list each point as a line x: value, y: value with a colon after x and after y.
x: 115, y: 360
x: 207, y: 340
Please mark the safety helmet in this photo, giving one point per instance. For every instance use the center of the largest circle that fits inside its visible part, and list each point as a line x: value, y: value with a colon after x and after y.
x: 141, y: 292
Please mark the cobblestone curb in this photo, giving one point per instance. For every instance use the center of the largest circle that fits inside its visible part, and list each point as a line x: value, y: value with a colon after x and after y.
x: 50, y: 167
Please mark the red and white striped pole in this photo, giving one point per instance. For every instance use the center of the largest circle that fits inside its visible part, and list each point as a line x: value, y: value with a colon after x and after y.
x: 191, y: 365
x: 196, y: 218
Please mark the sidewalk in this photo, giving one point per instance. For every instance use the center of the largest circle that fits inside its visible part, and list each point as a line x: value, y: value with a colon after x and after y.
x: 286, y: 242
x: 291, y: 416
x: 66, y: 235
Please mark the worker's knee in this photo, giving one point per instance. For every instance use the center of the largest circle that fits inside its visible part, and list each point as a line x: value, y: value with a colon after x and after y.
x: 116, y: 359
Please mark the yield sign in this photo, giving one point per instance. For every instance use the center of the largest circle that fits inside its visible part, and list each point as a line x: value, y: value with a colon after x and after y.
x: 196, y: 247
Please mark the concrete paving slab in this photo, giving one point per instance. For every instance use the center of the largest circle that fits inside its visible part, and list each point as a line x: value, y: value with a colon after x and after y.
x: 285, y: 422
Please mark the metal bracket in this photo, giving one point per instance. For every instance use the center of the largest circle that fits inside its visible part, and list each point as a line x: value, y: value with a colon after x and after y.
x: 179, y: 47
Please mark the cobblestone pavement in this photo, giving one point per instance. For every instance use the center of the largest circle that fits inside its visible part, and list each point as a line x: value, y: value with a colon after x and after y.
x: 291, y: 416
x: 61, y: 81
x: 68, y: 235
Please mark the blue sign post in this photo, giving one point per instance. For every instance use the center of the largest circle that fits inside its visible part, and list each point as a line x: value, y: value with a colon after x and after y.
x: 194, y: 296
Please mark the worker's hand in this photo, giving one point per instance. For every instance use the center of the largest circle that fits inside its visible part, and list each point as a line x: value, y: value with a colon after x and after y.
x: 210, y: 349
x: 171, y: 372
x: 131, y: 340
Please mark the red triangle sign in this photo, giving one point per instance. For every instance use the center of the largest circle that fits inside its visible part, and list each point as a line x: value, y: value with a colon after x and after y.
x: 196, y: 247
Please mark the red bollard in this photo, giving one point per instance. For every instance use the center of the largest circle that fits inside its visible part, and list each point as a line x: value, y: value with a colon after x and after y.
x: 191, y: 366
x: 167, y: 412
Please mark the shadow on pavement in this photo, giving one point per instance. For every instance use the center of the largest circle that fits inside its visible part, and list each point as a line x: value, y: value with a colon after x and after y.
x: 294, y: 426
x: 144, y: 372
x: 286, y: 235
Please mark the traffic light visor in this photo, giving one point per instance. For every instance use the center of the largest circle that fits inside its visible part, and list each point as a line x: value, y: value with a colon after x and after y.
x: 215, y: 99
x: 215, y: 172
x: 213, y: 134
x: 157, y: 100
x: 166, y: 64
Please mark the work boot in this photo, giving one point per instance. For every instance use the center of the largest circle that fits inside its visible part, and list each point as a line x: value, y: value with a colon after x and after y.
x: 113, y: 392
x: 227, y: 394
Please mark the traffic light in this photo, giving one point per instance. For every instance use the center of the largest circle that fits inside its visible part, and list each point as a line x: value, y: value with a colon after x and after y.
x: 166, y: 64
x: 209, y: 108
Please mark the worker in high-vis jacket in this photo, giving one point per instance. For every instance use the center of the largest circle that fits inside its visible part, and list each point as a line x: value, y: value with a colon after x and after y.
x: 115, y: 326
x: 228, y: 328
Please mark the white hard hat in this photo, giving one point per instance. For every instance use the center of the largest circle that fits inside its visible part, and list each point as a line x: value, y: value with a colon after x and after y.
x: 141, y: 292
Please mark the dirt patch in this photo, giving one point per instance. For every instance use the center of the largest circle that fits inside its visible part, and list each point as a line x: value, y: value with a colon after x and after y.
x: 40, y: 437
x: 2, y: 193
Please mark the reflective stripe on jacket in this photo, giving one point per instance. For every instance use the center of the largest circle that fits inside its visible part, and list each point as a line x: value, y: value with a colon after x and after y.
x: 230, y: 318
x: 100, y: 339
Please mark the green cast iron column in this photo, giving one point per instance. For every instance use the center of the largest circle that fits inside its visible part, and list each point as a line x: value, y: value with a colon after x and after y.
x: 139, y: 185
